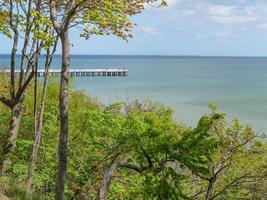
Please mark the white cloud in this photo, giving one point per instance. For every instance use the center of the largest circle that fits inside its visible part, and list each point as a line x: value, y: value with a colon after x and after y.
x: 146, y: 30
x: 230, y: 13
x: 219, y: 18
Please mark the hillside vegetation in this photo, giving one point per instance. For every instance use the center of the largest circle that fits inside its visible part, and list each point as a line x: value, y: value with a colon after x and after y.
x: 135, y: 151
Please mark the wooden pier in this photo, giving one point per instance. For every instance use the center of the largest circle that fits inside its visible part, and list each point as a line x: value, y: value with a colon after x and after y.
x: 79, y: 72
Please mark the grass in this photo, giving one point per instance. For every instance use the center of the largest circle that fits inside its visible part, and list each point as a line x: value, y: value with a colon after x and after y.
x: 15, y: 192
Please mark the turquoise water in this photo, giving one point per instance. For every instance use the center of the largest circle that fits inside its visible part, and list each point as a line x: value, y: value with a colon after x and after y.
x: 188, y: 84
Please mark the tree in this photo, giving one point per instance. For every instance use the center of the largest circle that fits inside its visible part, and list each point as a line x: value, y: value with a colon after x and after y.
x: 237, y: 167
x: 96, y: 17
x: 143, y: 140
x: 25, y: 16
x: 16, y: 98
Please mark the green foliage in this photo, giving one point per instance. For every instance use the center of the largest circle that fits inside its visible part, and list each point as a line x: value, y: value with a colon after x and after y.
x: 171, y: 158
x: 237, y: 164
x: 42, y: 28
x: 166, y: 185
x: 102, y: 17
x: 4, y: 19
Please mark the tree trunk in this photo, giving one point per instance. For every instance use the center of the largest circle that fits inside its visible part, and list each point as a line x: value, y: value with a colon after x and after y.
x: 12, y: 136
x: 14, y: 27
x: 210, y: 191
x: 9, y: 146
x: 15, y: 114
x: 38, y: 131
x: 38, y: 137
x: 63, y: 103
x: 13, y: 64
x: 103, y: 190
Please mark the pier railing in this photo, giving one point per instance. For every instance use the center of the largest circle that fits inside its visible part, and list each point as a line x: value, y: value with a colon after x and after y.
x: 78, y: 72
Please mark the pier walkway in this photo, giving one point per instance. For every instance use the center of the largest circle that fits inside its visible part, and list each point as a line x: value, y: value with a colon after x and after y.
x: 79, y: 72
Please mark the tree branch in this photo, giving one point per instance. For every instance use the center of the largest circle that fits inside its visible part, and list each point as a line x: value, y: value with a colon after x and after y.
x: 53, y: 16
x: 6, y: 101
x: 150, y: 164
x: 134, y: 167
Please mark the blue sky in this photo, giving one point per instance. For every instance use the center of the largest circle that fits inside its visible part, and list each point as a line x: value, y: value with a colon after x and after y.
x: 187, y: 27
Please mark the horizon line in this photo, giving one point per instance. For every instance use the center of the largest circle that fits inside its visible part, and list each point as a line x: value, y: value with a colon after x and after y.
x: 159, y: 55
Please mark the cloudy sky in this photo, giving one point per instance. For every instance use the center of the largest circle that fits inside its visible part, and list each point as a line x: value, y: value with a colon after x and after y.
x: 188, y: 27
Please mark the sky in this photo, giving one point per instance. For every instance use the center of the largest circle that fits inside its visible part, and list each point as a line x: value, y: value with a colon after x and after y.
x: 185, y: 27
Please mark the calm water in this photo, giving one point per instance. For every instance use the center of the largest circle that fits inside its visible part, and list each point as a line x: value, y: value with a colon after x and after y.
x: 188, y: 84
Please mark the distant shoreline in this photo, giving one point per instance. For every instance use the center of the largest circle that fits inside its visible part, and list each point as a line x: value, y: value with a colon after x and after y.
x: 151, y: 56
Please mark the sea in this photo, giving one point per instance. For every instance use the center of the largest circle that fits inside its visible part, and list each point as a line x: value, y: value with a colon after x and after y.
x: 187, y: 84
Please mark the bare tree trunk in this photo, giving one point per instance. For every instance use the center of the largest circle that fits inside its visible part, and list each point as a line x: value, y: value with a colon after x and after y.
x: 12, y: 136
x: 64, y: 121
x: 103, y: 190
